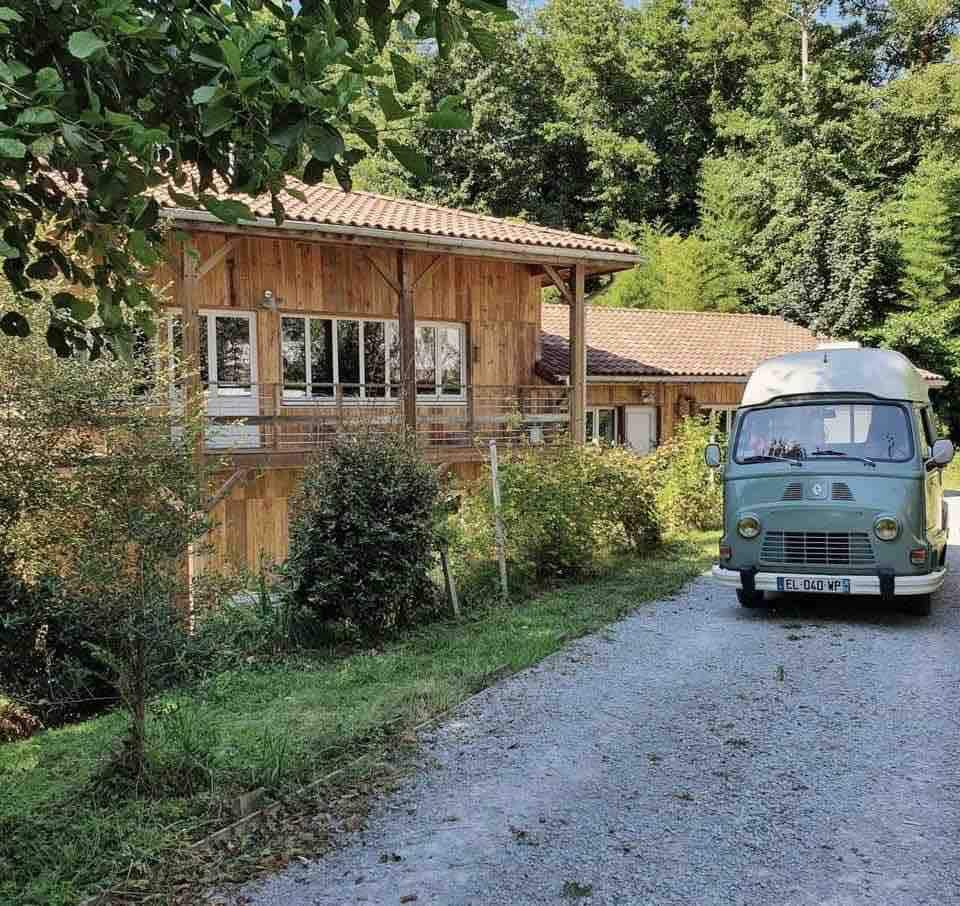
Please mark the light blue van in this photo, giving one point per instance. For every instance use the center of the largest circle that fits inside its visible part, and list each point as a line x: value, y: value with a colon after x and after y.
x: 832, y: 483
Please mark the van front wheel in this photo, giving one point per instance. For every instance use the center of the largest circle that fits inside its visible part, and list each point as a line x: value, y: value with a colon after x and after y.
x: 917, y: 605
x: 750, y: 598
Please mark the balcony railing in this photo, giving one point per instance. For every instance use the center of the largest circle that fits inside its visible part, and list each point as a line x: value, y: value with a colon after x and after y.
x: 457, y: 422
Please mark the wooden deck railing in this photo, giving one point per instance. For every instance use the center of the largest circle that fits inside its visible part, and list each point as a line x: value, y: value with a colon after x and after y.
x: 456, y: 422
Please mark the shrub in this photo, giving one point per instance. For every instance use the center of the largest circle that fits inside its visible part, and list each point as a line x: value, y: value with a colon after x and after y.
x: 15, y: 722
x: 565, y: 509
x: 100, y: 487
x: 362, y: 532
x: 689, y: 494
x: 46, y: 662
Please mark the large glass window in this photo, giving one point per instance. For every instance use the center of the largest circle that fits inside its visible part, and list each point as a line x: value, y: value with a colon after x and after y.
x: 363, y: 357
x: 877, y: 431
x: 602, y: 426
x: 348, y: 357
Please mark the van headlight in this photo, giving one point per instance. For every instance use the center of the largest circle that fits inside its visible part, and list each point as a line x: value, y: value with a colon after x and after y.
x: 748, y: 527
x: 886, y: 528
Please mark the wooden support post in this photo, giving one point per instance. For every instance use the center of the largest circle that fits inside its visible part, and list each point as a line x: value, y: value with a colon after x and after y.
x: 277, y: 403
x: 578, y: 357
x: 501, y: 540
x: 187, y: 290
x: 408, y: 340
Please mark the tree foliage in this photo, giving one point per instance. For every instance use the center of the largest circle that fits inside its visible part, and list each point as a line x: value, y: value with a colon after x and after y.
x: 101, y: 499
x: 104, y: 101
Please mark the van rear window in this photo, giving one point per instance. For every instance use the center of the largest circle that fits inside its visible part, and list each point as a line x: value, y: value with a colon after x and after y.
x: 877, y: 431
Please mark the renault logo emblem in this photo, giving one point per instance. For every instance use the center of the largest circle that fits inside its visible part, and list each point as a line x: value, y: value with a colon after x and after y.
x: 817, y: 489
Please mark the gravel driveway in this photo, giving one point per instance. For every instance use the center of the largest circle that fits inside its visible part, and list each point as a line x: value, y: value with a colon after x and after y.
x: 695, y: 753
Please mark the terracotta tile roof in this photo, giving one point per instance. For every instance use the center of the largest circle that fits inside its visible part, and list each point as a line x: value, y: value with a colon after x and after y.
x: 329, y: 205
x: 625, y: 342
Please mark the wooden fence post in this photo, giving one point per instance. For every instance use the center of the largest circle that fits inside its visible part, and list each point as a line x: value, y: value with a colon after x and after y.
x: 498, y: 523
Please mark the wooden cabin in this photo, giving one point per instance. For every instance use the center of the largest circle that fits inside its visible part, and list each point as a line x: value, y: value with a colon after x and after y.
x: 365, y: 309
x: 361, y: 308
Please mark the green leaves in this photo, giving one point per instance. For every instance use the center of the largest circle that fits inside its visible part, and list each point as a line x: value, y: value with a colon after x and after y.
x: 215, y: 118
x: 450, y: 115
x: 499, y: 11
x: 84, y: 44
x: 37, y: 116
x: 204, y: 94
x: 326, y: 143
x: 412, y: 160
x: 243, y: 92
x: 12, y: 147
x: 404, y: 73
x: 80, y: 309
x: 227, y: 209
x: 48, y: 80
x: 391, y: 107
x: 13, y: 324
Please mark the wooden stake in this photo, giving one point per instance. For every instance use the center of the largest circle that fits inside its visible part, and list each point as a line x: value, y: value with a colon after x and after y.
x: 448, y: 579
x: 498, y: 523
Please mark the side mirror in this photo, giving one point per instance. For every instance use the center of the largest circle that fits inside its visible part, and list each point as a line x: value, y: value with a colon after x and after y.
x: 943, y: 452
x: 713, y: 457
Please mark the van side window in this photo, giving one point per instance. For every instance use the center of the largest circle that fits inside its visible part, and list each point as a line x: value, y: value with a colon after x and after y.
x: 925, y: 433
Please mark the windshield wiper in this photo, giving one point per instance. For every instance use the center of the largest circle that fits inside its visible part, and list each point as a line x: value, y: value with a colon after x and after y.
x: 869, y: 462
x: 765, y: 457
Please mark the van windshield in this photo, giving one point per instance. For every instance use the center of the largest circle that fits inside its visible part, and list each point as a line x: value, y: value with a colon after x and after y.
x: 871, y: 431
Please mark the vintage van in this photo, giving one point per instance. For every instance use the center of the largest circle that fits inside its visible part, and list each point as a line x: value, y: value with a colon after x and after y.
x: 832, y: 481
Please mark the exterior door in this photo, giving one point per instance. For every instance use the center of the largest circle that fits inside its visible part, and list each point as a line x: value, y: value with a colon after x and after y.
x: 640, y: 428
x: 228, y: 373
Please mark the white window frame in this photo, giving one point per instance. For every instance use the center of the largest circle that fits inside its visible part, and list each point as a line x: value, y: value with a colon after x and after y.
x: 730, y: 408
x: 595, y: 411
x: 211, y: 315
x: 392, y: 381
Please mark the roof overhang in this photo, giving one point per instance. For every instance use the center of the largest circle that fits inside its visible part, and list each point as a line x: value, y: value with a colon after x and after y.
x: 597, y: 261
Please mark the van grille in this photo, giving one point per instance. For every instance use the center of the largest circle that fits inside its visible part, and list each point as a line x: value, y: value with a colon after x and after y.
x: 793, y: 491
x: 841, y: 491
x: 818, y: 548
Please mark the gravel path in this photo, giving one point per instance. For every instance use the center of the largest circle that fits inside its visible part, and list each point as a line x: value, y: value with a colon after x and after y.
x: 695, y: 753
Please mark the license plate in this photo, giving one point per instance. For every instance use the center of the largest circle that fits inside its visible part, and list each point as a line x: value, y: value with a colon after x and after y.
x: 815, y: 585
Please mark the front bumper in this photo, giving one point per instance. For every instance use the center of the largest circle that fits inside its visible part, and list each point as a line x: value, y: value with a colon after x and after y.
x: 859, y: 585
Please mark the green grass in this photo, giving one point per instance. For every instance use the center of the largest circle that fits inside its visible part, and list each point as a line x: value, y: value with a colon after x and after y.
x: 278, y: 726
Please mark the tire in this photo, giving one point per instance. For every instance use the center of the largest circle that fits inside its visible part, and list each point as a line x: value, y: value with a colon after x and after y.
x: 917, y: 605
x: 750, y: 598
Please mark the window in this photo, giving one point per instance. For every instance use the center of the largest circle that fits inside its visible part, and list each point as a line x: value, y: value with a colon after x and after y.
x: 722, y: 417
x: 363, y: 357
x: 877, y: 431
x: 227, y: 356
x: 602, y: 426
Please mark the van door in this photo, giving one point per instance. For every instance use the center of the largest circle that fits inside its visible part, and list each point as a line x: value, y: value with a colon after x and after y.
x: 933, y: 475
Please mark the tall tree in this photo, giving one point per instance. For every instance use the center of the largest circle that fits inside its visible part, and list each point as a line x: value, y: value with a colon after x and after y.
x: 928, y: 216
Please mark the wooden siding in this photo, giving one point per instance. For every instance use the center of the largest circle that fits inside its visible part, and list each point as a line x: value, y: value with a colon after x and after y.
x: 499, y: 301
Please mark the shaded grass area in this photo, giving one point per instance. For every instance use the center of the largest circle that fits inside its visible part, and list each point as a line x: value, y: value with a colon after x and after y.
x: 277, y: 726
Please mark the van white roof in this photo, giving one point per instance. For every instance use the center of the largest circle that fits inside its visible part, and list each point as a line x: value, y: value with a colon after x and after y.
x: 879, y: 372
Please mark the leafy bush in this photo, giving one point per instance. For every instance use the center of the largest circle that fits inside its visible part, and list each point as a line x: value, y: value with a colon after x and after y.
x: 565, y: 509
x: 689, y: 494
x: 15, y: 722
x: 46, y: 661
x: 101, y: 488
x: 362, y: 532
